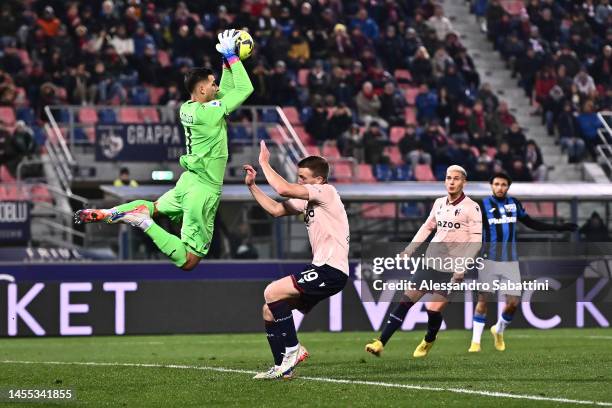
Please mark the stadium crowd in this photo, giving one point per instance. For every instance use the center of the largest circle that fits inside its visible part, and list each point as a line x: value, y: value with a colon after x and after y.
x: 372, y: 78
x: 561, y: 53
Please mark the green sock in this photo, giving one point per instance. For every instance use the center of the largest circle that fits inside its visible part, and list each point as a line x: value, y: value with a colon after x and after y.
x: 133, y: 204
x: 169, y: 244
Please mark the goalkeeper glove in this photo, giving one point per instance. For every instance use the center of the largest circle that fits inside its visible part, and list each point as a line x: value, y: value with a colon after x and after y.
x: 227, y: 43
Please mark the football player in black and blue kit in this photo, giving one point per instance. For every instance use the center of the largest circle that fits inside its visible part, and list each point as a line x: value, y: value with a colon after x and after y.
x: 500, y: 214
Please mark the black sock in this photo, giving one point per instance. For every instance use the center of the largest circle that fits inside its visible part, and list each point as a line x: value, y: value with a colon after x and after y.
x: 395, y: 319
x: 277, y: 345
x: 284, y: 321
x: 434, y: 322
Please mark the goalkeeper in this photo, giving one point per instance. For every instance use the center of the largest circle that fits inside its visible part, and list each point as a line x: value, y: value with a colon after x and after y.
x: 195, y: 198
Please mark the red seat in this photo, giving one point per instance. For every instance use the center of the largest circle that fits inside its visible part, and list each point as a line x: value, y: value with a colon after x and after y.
x: 155, y: 93
x: 395, y: 155
x: 403, y: 78
x: 411, y: 94
x: 129, y: 115
x: 7, y: 115
x: 303, y: 77
x: 292, y: 115
x: 343, y: 172
x: 513, y: 7
x: 40, y: 193
x: 303, y: 135
x: 313, y: 150
x: 422, y: 172
x: 364, y: 173
x: 277, y: 134
x: 377, y: 210
x: 410, y: 116
x: 88, y: 116
x: 397, y: 133
x: 547, y: 209
x: 163, y: 58
x: 5, y: 175
x: 330, y: 151
x: 531, y: 209
x: 149, y: 115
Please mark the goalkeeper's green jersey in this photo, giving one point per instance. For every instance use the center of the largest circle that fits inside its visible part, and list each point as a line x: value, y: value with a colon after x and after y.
x: 206, y: 129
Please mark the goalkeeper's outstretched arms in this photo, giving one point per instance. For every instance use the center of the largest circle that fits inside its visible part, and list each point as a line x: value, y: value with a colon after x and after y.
x: 235, y: 86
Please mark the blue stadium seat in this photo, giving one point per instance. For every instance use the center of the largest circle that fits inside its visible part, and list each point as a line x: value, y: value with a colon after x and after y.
x: 107, y: 116
x: 411, y: 209
x: 139, y: 95
x: 26, y: 114
x: 80, y: 135
x: 305, y: 114
x: 383, y: 172
x: 262, y: 134
x: 238, y: 133
x: 269, y: 115
x: 402, y: 173
x: 39, y: 135
x: 440, y: 172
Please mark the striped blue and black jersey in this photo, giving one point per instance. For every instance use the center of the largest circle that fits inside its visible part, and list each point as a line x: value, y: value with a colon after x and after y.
x: 499, y: 218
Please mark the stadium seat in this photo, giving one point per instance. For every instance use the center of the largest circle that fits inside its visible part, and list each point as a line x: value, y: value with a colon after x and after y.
x: 39, y: 135
x: 238, y: 133
x: 129, y: 115
x: 292, y: 115
x: 396, y: 134
x: 40, y: 193
x: 411, y: 209
x: 342, y: 172
x: 365, y: 174
x: 88, y: 116
x: 303, y: 77
x: 395, y: 155
x: 7, y: 115
x: 303, y: 135
x: 383, y: 172
x: 313, y: 150
x: 422, y: 172
x: 149, y: 115
x: 139, y: 95
x: 378, y: 210
x: 547, y: 209
x: 276, y: 134
x: 155, y: 94
x: 269, y: 115
x: 531, y: 208
x: 5, y: 175
x: 262, y: 133
x: 410, y: 116
x: 403, y: 77
x: 402, y: 173
x: 107, y: 116
x: 79, y: 135
x: 513, y: 7
x: 330, y: 151
x: 26, y: 114
x: 440, y: 172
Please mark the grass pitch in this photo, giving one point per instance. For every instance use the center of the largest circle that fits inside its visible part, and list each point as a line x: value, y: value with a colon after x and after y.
x: 553, y: 368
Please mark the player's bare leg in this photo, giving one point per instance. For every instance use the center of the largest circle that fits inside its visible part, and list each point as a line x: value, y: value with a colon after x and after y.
x: 434, y: 322
x: 394, y: 321
x: 280, y: 329
x: 504, y: 321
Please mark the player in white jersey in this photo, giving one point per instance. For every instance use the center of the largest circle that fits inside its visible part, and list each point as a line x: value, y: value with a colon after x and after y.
x: 328, y: 232
x: 458, y: 224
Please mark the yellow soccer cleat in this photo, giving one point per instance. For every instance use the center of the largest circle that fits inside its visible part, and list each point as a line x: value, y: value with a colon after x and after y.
x: 376, y: 347
x: 498, y: 339
x: 474, y: 348
x: 422, y: 349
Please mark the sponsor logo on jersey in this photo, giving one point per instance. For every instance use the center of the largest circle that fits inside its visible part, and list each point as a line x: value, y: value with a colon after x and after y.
x: 510, y: 207
x: 449, y: 224
x: 503, y: 220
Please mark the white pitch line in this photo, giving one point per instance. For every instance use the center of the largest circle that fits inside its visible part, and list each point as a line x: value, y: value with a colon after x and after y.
x: 323, y: 379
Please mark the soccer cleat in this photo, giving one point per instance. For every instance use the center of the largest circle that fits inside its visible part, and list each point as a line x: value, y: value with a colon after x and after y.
x: 134, y: 217
x: 292, y: 359
x: 474, y: 348
x: 422, y: 349
x: 92, y: 215
x: 273, y: 373
x: 376, y: 347
x: 498, y: 339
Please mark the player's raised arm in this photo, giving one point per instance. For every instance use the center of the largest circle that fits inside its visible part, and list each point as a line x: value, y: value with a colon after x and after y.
x: 278, y: 183
x: 242, y: 87
x: 227, y: 80
x: 271, y: 206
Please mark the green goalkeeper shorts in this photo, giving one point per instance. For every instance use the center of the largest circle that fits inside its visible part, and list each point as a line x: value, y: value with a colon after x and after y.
x: 196, y: 203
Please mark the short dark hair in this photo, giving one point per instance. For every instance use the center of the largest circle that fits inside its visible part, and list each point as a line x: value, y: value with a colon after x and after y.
x: 501, y: 175
x: 195, y: 75
x: 317, y: 164
x: 124, y: 170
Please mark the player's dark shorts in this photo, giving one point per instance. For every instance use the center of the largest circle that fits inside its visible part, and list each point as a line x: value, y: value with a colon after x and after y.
x: 317, y: 283
x: 431, y: 277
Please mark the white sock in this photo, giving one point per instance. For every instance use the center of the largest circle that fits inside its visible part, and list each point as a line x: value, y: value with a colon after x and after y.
x: 477, y: 328
x: 293, y: 349
x: 502, y: 324
x: 145, y: 224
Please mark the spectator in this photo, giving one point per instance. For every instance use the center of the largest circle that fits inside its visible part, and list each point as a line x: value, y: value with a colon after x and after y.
x: 123, y: 44
x: 488, y: 98
x: 390, y: 48
x: 281, y: 87
x: 392, y: 105
x: 504, y: 156
x: 440, y: 23
x: 568, y: 134
x: 419, y: 156
x: 534, y: 161
x: 499, y: 122
x: 519, y: 172
x: 317, y: 124
x: 426, y: 104
x: 299, y: 50
x: 585, y: 84
x: 374, y: 143
x: 589, y: 123
x: 124, y: 179
x: 49, y: 23
x: 366, y: 25
x: 241, y: 243
x: 516, y: 139
x: 421, y: 66
x: 342, y: 88
x: 22, y: 145
x: 368, y: 105
x: 594, y: 229
x: 408, y: 142
x: 454, y: 84
x: 340, y: 121
x: 318, y: 79
x: 351, y: 143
